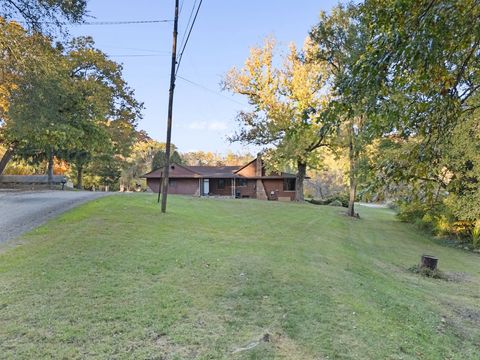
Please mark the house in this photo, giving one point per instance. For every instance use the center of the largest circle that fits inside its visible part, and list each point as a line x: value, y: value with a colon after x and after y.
x: 248, y: 181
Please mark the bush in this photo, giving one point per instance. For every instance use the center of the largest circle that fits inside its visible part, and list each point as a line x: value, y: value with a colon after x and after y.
x: 335, y: 203
x: 339, y: 200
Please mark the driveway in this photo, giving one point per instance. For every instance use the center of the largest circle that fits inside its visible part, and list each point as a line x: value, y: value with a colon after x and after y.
x: 23, y: 211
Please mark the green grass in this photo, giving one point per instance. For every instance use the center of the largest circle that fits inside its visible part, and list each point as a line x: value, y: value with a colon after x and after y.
x: 114, y: 279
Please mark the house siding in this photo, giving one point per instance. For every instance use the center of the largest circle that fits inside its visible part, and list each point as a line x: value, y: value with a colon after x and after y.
x: 248, y: 191
x: 215, y: 190
x: 181, y: 186
x: 276, y: 185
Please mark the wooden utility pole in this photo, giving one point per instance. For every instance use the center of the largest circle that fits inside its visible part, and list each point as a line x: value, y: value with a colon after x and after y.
x: 170, y: 112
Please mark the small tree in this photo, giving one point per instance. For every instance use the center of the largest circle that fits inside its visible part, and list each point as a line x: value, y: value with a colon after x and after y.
x: 341, y: 39
x: 160, y: 159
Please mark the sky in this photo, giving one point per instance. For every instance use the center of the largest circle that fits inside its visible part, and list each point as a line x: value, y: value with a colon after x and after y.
x: 225, y: 30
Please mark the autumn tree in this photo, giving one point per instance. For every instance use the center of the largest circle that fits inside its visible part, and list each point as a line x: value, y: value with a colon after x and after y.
x: 287, y: 103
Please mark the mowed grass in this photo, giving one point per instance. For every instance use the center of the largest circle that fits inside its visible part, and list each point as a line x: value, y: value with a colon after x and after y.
x: 233, y: 279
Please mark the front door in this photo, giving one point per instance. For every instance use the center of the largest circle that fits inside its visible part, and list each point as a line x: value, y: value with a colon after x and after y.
x: 206, y: 186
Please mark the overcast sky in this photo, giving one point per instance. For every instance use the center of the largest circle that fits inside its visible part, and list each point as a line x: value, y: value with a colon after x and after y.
x: 221, y: 38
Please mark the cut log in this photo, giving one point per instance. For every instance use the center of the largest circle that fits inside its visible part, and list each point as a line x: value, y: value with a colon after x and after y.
x: 429, y: 262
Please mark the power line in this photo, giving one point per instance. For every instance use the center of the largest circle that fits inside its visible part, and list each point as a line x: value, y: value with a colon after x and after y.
x: 95, y: 23
x: 130, y: 22
x: 156, y: 51
x: 137, y: 55
x: 210, y: 90
x: 188, y: 37
x: 181, y: 7
x: 188, y: 23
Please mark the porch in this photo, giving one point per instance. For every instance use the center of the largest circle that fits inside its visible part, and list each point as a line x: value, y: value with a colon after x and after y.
x: 231, y: 187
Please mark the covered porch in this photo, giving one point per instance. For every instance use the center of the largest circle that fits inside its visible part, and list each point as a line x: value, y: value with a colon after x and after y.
x: 235, y: 187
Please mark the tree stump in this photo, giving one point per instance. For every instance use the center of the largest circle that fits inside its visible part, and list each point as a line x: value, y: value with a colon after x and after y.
x: 429, y: 261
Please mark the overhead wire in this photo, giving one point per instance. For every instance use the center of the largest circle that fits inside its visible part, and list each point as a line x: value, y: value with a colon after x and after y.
x: 188, y: 37
x: 188, y: 24
x: 137, y: 55
x: 100, y: 23
x: 209, y: 90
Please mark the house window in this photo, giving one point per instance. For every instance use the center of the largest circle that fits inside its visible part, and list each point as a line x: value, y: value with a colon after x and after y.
x: 288, y: 184
x: 242, y: 182
x: 172, y: 183
x: 221, y: 184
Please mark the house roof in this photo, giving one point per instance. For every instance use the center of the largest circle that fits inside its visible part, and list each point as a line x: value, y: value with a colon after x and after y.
x: 224, y: 172
x: 215, y: 171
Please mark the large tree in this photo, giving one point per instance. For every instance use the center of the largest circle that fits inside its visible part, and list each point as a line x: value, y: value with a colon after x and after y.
x: 341, y: 39
x: 425, y: 55
x: 23, y: 57
x: 104, y: 100
x: 423, y: 60
x: 287, y: 102
x: 73, y: 109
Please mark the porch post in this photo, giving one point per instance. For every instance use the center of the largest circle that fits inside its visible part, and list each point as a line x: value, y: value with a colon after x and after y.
x: 233, y: 187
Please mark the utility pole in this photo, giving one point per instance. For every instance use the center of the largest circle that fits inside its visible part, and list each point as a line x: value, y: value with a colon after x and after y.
x: 170, y: 112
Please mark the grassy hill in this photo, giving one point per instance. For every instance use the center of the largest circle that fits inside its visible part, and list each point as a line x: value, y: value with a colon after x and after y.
x: 233, y: 279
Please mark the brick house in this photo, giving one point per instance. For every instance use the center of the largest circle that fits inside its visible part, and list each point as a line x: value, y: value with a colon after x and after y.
x: 248, y: 181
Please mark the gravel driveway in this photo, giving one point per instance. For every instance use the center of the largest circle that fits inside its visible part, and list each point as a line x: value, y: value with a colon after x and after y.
x: 23, y: 211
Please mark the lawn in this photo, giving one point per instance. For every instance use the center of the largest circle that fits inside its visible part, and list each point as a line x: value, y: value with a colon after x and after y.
x: 233, y: 279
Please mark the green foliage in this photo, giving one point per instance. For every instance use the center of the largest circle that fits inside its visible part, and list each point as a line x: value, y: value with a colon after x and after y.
x: 207, y: 158
x: 73, y: 103
x: 139, y: 162
x: 42, y: 15
x: 476, y: 235
x: 160, y: 159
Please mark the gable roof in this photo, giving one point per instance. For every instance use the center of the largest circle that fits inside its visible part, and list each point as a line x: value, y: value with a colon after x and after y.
x: 228, y: 172
x: 244, y: 166
x: 176, y: 170
x: 215, y: 171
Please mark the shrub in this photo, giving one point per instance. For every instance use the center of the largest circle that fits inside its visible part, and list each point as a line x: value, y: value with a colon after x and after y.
x: 340, y: 199
x: 476, y: 234
x: 335, y: 203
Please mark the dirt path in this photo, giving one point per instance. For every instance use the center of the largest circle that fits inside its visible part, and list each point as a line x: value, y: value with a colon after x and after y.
x: 23, y: 211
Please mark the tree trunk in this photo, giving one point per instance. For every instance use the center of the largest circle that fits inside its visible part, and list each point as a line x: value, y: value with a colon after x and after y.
x: 79, y: 177
x: 5, y: 159
x: 50, y: 167
x: 352, y: 178
x: 301, y: 171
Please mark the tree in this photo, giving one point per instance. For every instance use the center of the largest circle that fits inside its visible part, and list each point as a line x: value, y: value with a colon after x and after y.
x: 104, y: 100
x: 37, y: 111
x: 287, y: 106
x: 22, y: 51
x: 341, y: 39
x: 422, y: 60
x: 422, y: 57
x: 140, y: 160
x: 24, y: 56
x: 160, y: 159
x: 40, y: 15
x: 76, y: 107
